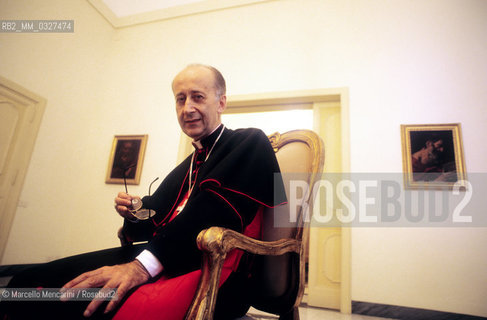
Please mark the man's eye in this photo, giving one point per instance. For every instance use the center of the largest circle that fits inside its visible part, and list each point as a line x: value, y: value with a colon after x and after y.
x: 180, y: 99
x: 198, y: 97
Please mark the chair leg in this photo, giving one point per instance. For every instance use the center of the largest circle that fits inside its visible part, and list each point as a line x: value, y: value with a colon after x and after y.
x: 291, y: 315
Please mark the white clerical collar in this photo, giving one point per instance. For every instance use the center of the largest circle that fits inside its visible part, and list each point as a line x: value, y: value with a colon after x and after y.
x: 197, y: 144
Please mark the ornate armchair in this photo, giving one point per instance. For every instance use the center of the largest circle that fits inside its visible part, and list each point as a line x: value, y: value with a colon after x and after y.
x: 278, y: 271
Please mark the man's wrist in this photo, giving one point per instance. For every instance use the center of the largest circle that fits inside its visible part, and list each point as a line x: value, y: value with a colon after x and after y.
x: 150, y: 263
x: 141, y: 267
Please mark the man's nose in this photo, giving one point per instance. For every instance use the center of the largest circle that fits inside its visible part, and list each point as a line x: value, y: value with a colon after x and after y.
x: 188, y: 106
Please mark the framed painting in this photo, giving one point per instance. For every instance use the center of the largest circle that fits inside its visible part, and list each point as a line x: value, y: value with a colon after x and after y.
x: 432, y: 156
x: 126, y: 159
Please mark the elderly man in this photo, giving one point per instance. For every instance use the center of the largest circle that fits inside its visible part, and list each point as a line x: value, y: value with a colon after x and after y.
x: 225, y: 182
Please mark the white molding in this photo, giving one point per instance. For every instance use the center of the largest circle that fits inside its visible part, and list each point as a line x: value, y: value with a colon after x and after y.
x: 299, y: 96
x: 167, y: 13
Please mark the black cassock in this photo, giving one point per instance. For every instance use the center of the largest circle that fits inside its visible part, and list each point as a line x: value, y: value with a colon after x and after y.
x: 237, y: 178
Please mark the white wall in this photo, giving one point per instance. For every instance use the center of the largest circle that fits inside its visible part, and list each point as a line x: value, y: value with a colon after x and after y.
x: 63, y: 177
x: 403, y: 62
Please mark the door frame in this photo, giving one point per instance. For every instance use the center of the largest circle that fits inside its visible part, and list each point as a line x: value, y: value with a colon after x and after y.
x: 32, y: 108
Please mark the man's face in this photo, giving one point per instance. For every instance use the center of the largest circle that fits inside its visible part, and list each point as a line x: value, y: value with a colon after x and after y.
x: 198, y: 106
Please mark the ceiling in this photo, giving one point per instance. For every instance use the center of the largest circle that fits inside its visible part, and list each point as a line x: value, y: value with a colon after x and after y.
x: 123, y: 8
x: 125, y: 13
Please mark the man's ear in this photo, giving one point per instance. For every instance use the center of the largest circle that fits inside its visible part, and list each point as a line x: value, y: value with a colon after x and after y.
x: 222, y: 103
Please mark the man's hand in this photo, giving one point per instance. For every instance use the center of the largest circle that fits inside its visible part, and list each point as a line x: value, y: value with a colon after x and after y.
x: 122, y: 277
x: 123, y: 202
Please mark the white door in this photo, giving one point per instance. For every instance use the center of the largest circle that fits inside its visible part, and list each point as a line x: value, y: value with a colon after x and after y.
x: 20, y: 115
x: 326, y: 286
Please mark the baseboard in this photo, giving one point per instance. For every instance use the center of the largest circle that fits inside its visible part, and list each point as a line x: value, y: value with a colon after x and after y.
x: 406, y: 313
x: 4, y: 281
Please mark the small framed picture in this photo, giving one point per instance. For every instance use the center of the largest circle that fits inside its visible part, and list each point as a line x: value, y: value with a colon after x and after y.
x: 126, y: 159
x: 432, y: 156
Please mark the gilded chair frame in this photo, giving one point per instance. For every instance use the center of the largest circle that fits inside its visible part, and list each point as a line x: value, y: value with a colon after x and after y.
x: 217, y: 242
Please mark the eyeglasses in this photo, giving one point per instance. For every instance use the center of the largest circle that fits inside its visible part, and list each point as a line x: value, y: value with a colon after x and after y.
x: 137, y: 211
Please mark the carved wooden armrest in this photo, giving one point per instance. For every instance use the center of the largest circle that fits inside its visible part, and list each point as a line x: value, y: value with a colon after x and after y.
x: 215, y: 243
x: 219, y: 240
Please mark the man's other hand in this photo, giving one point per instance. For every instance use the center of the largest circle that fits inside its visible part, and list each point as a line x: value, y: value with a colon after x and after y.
x: 122, y: 277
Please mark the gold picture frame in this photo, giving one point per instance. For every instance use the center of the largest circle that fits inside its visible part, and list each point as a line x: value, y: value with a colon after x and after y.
x: 126, y: 159
x: 432, y: 156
